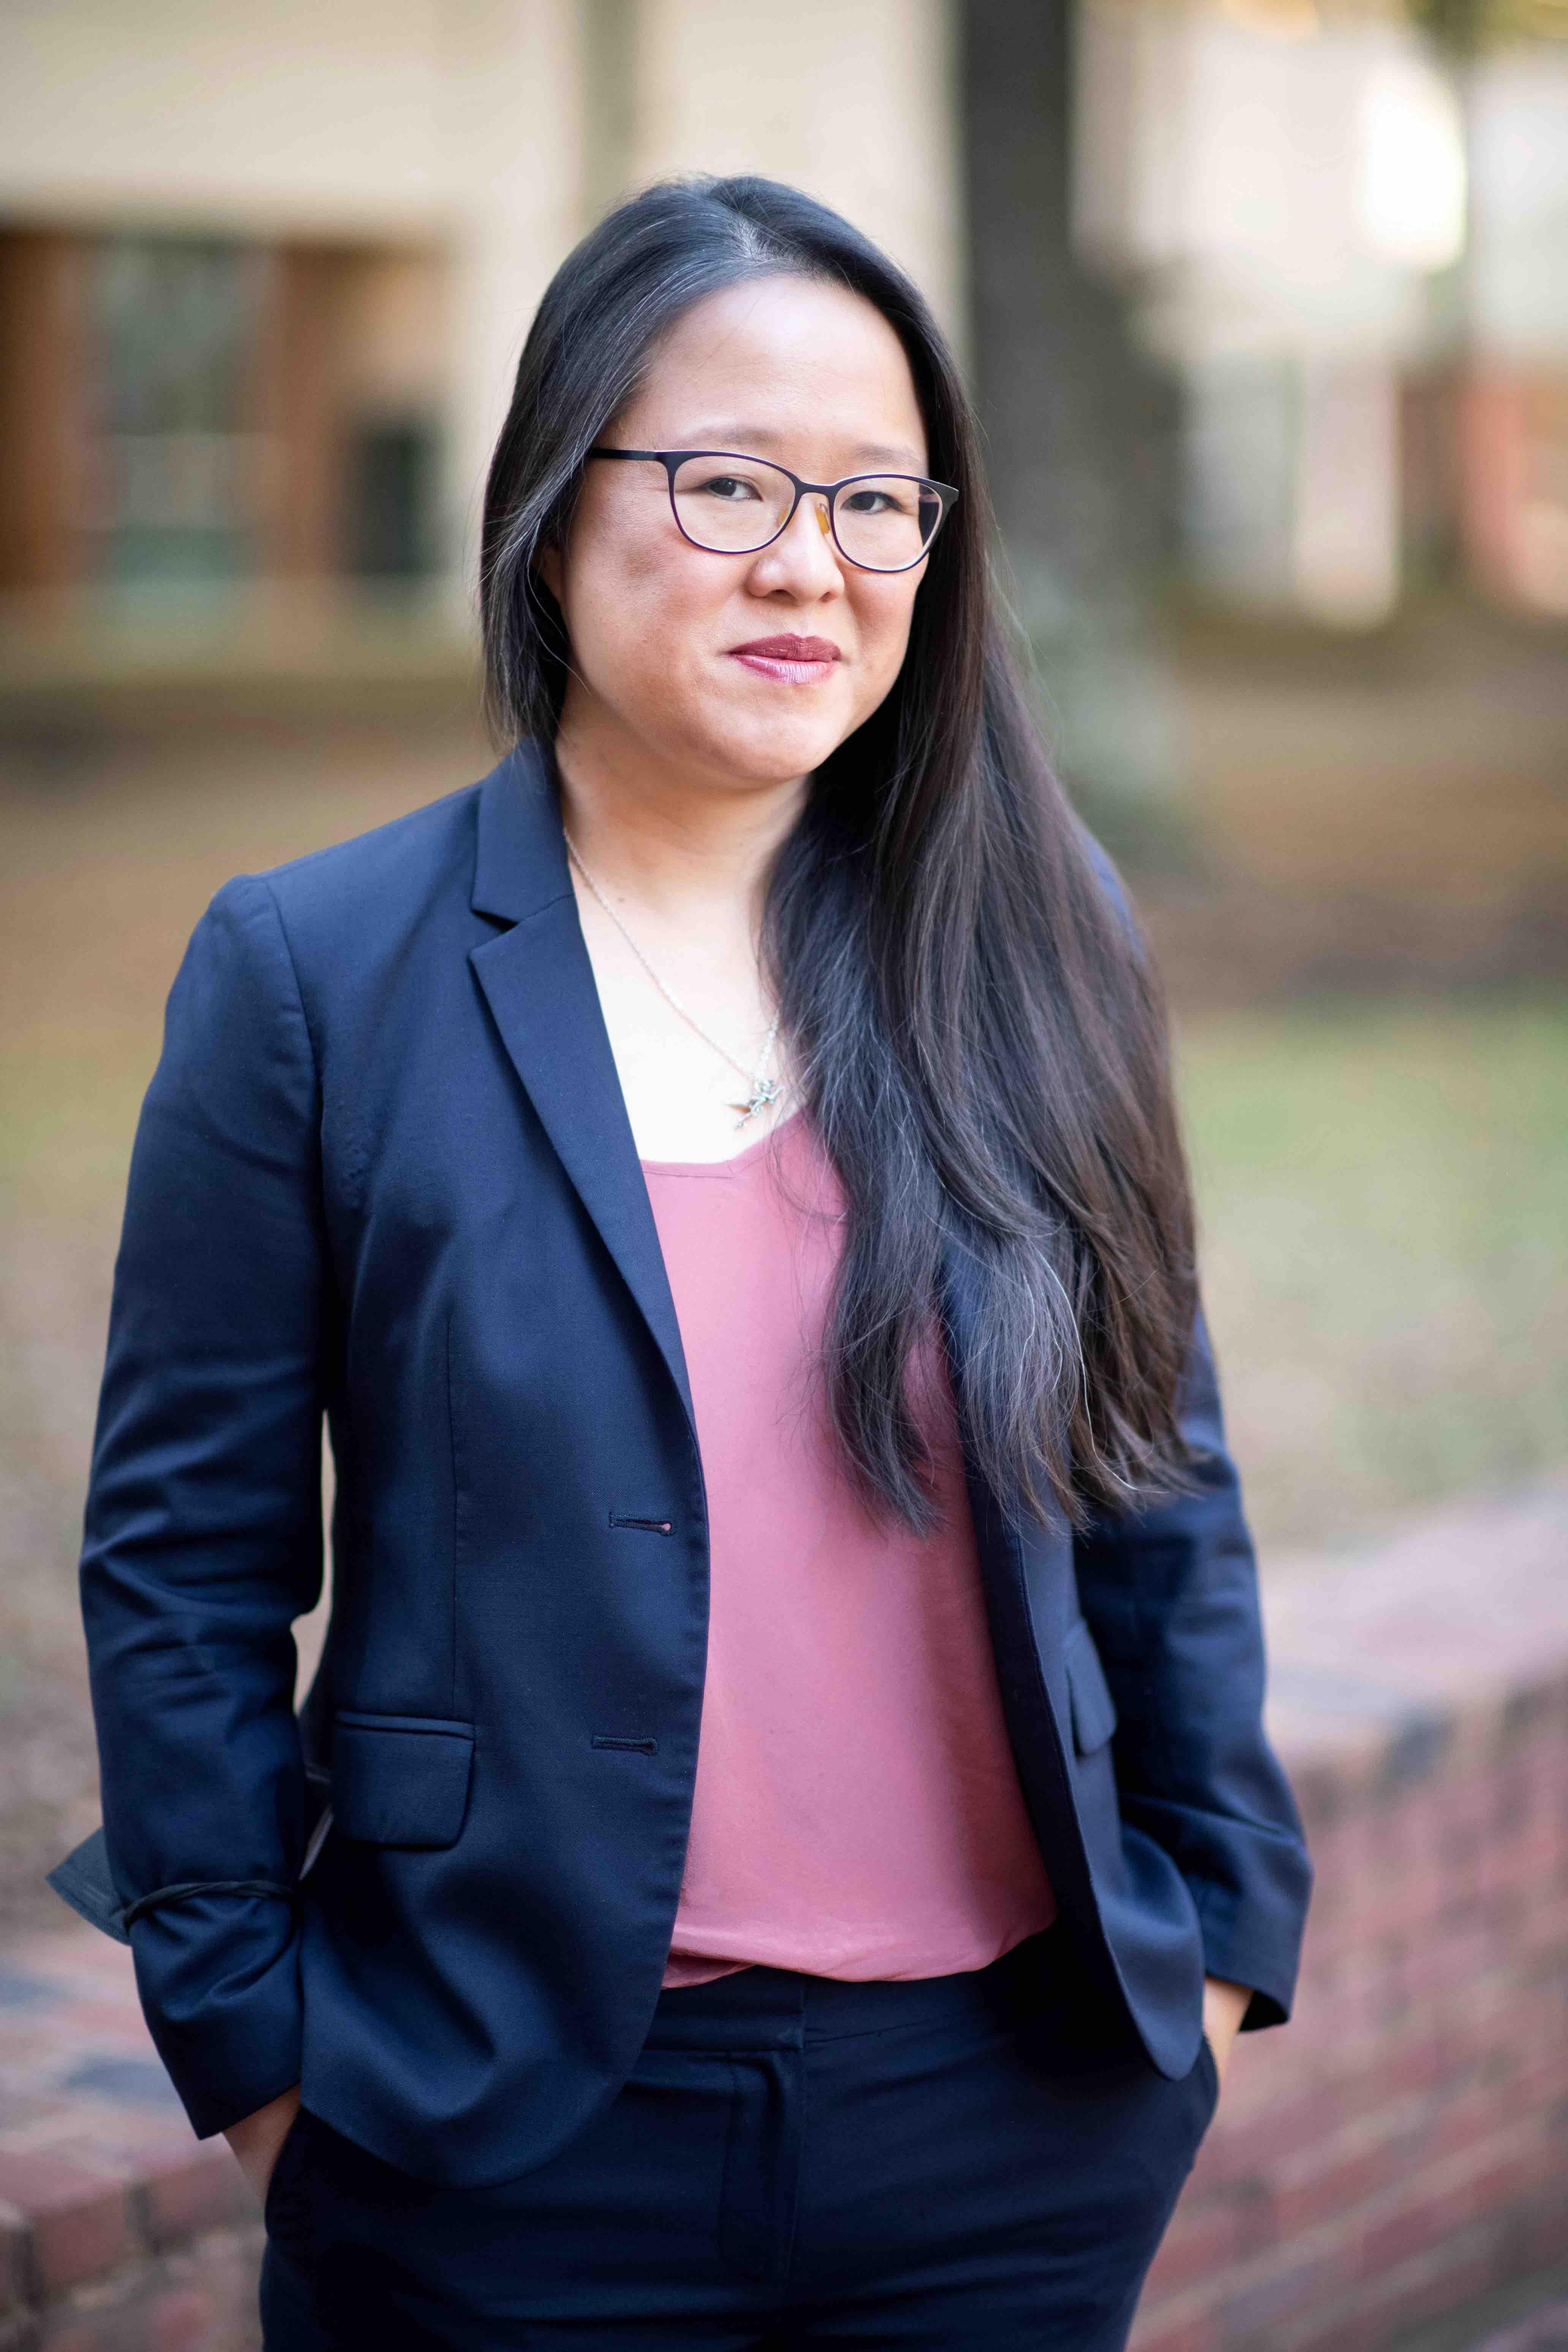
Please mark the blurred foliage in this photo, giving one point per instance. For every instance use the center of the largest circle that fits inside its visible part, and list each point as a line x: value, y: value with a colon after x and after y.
x: 1383, y: 1193
x: 1460, y: 27
x: 1464, y: 27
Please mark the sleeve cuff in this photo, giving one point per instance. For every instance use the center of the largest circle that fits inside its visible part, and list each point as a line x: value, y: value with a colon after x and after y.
x: 1250, y: 1950
x: 218, y: 1977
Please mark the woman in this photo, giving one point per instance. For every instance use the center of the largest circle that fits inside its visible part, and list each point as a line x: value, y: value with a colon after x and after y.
x: 719, y: 1180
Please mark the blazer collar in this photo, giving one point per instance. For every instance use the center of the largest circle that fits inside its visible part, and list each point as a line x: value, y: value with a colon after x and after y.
x: 521, y: 864
x: 539, y: 983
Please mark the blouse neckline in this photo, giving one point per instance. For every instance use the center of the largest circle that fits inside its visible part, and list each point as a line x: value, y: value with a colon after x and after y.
x: 737, y: 1160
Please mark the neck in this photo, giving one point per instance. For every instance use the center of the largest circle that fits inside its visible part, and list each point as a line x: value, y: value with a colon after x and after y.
x: 683, y: 842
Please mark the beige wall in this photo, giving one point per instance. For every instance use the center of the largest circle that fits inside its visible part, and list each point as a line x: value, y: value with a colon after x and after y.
x: 513, y: 104
x: 282, y: 114
x: 853, y: 99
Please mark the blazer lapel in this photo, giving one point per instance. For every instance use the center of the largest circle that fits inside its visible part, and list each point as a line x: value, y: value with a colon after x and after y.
x: 538, y: 981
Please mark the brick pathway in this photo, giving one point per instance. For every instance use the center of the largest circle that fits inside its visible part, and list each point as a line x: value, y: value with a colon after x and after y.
x: 1544, y: 2331
x: 102, y: 2177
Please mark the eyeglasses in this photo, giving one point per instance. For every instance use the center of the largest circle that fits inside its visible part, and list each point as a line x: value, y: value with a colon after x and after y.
x: 733, y: 505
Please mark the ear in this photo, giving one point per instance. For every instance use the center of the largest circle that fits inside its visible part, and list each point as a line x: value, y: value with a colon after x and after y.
x: 547, y: 563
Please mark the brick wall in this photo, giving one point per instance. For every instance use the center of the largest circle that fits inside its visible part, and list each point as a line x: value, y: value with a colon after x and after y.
x: 1401, y: 2147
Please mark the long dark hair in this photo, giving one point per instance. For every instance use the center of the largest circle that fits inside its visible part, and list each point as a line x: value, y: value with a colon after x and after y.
x: 976, y: 1020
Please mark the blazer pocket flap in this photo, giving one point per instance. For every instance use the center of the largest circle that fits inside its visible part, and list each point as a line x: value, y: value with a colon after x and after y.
x: 1094, y: 1709
x: 400, y: 1779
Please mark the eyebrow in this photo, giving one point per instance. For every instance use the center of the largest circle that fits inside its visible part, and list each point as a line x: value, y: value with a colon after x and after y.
x: 748, y: 439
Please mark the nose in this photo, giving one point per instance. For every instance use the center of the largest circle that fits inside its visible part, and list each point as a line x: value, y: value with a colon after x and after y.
x: 803, y: 558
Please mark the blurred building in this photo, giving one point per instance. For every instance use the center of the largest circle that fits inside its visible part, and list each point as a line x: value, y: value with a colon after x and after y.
x: 1354, y: 252
x: 264, y: 275
x: 265, y: 271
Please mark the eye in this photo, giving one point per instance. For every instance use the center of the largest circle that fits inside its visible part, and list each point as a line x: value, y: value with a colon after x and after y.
x: 733, y: 489
x: 880, y: 501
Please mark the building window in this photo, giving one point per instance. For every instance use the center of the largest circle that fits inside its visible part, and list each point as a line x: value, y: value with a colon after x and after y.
x: 172, y: 479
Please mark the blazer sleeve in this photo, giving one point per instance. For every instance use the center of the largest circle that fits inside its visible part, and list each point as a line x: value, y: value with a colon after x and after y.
x: 203, y: 1536
x: 1172, y: 1598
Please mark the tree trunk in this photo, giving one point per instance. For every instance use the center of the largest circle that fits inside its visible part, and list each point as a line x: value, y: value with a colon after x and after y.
x: 1080, y: 428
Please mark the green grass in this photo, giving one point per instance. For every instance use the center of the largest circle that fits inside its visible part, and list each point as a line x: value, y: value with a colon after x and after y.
x: 1384, y: 1226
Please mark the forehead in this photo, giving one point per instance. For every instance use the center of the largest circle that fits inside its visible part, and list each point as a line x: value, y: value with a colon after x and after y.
x: 781, y: 361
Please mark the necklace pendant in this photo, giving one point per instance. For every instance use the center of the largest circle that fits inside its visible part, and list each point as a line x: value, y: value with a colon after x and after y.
x: 764, y: 1091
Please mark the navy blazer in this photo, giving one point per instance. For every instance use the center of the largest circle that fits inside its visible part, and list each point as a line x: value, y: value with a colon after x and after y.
x: 385, y: 1174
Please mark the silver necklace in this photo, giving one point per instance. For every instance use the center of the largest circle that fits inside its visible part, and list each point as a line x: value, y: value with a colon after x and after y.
x: 764, y: 1090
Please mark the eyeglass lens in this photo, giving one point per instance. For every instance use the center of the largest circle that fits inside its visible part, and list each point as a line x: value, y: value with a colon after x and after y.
x: 733, y: 505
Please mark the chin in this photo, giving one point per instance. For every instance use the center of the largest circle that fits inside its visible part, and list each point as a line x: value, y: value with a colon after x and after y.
x: 775, y: 762
x: 771, y: 752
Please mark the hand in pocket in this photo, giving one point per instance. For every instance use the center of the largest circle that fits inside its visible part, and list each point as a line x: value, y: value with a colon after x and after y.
x: 257, y: 2140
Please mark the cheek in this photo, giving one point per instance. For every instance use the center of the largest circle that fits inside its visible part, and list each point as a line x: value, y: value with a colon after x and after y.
x: 635, y: 618
x: 884, y: 613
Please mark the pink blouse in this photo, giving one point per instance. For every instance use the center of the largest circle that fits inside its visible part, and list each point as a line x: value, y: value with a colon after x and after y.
x: 856, y: 1811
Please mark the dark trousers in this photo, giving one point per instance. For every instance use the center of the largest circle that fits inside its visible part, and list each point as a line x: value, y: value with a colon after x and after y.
x: 977, y: 2159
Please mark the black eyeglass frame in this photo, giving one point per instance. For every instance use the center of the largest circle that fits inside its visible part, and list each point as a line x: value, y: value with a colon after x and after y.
x: 673, y: 459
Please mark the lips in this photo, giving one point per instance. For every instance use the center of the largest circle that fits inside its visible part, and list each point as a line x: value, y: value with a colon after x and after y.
x: 792, y: 649
x: 789, y: 660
